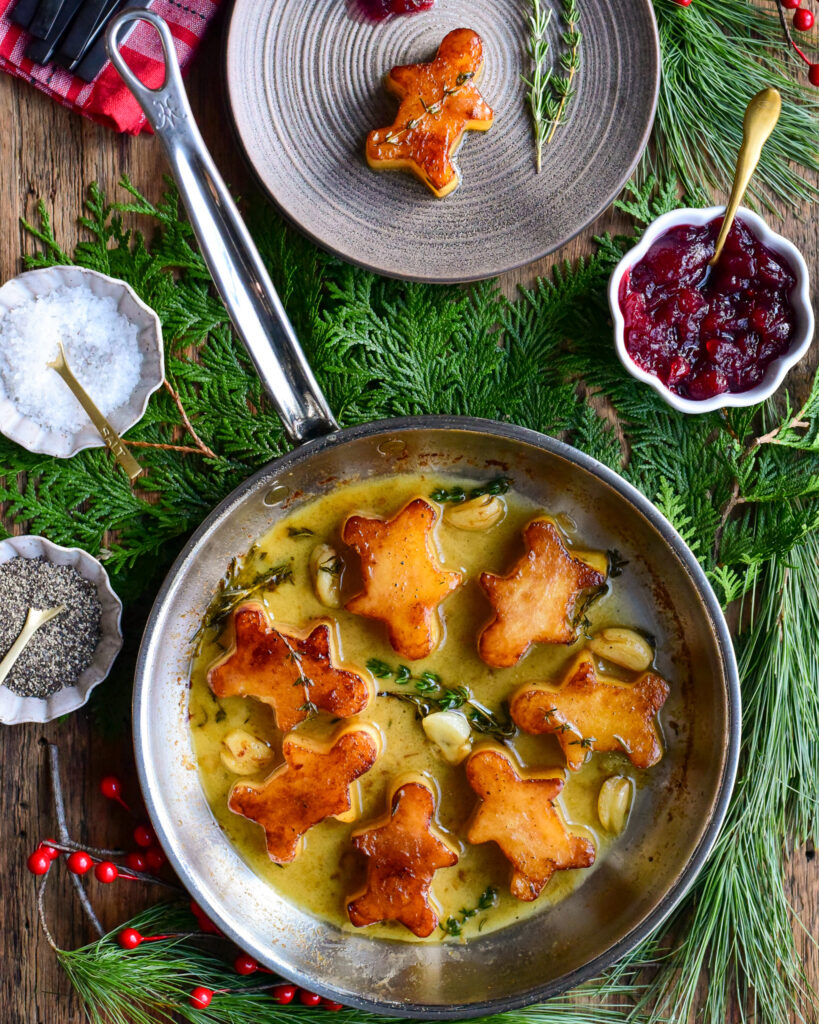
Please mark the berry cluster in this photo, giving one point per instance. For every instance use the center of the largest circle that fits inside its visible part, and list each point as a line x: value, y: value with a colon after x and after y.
x: 148, y: 857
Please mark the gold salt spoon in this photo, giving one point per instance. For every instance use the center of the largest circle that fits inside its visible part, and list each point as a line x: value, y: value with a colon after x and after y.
x: 36, y: 617
x: 111, y: 438
x: 761, y: 116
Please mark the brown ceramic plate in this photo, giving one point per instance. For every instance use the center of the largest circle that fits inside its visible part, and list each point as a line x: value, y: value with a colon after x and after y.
x: 305, y: 85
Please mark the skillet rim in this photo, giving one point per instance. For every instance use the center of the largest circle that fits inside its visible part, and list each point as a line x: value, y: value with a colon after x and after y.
x: 684, y: 880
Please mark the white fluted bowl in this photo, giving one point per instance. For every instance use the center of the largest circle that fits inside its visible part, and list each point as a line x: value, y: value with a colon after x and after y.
x: 34, y: 283
x: 14, y: 708
x: 800, y: 298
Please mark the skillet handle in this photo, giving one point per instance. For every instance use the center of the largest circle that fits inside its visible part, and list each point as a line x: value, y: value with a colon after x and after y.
x: 229, y: 252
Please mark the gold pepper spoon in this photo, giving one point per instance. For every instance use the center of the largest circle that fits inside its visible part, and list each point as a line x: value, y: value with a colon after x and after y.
x: 761, y: 116
x: 35, y: 618
x: 107, y: 432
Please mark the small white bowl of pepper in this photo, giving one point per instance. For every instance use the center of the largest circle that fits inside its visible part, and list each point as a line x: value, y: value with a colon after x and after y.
x: 50, y: 663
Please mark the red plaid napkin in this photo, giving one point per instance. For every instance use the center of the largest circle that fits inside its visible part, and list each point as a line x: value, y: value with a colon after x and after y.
x: 107, y: 99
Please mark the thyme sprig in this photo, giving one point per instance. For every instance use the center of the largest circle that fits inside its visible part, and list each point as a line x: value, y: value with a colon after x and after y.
x: 431, y: 695
x: 549, y: 93
x: 453, y: 925
x: 238, y: 586
x: 432, y: 108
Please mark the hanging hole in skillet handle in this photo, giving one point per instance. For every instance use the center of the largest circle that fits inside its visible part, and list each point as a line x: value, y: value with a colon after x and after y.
x: 232, y: 258
x: 168, y: 103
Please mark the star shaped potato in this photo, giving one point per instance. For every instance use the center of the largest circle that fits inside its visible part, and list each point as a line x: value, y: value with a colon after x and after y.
x: 588, y: 713
x: 289, y: 671
x: 313, y: 784
x: 439, y: 102
x: 536, y: 602
x: 403, y: 850
x: 517, y: 811
x: 403, y: 579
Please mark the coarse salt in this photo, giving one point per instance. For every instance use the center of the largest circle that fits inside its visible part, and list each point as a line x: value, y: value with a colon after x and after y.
x: 101, y: 347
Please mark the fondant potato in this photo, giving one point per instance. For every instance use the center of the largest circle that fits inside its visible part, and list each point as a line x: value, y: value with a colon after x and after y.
x: 313, y: 784
x: 589, y: 713
x: 402, y: 576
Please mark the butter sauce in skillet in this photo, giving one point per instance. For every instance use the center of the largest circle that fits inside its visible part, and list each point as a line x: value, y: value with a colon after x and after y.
x: 302, y: 557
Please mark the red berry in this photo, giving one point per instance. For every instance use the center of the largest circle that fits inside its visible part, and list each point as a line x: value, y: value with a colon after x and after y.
x: 106, y: 872
x: 135, y: 861
x: 144, y: 835
x: 813, y: 74
x: 791, y: 5
x: 244, y: 964
x: 79, y: 862
x: 802, y: 19
x: 330, y: 1004
x: 129, y: 938
x: 111, y: 787
x: 38, y: 862
x: 154, y: 858
x: 283, y: 994
x: 309, y: 998
x: 49, y: 849
x: 683, y: 3
x: 200, y: 998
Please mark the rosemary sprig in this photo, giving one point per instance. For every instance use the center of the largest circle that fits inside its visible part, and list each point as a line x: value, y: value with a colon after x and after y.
x: 549, y: 94
x: 562, y: 86
x: 538, y: 95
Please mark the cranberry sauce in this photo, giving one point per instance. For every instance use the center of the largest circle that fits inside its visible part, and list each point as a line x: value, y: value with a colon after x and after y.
x: 704, y: 331
x: 376, y: 10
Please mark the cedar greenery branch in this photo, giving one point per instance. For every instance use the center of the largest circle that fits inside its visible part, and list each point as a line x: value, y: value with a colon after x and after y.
x: 742, y: 487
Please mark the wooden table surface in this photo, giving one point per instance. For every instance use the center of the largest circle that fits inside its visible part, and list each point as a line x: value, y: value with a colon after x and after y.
x: 52, y: 154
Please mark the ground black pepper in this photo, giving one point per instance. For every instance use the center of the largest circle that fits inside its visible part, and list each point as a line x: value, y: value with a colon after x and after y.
x: 59, y: 651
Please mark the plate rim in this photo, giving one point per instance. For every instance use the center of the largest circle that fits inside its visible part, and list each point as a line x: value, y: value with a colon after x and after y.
x: 228, y: 24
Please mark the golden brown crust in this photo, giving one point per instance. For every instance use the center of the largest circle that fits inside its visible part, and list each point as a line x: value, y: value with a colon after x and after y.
x: 287, y: 670
x: 439, y: 102
x: 403, y: 850
x: 517, y: 811
x: 589, y: 714
x: 313, y: 784
x: 536, y: 601
x: 402, y: 576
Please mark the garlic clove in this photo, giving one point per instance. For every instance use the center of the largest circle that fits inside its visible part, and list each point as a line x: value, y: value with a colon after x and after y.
x: 476, y: 514
x: 243, y: 753
x: 624, y: 647
x: 325, y: 570
x: 614, y: 803
x: 450, y: 732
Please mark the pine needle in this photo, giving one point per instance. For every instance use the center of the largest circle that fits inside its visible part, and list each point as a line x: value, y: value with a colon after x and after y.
x: 717, y: 54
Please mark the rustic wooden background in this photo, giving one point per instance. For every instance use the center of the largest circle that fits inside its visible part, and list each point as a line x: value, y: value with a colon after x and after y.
x: 52, y: 154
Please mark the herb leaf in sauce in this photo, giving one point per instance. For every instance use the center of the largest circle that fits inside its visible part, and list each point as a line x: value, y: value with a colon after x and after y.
x: 455, y: 495
x: 453, y: 925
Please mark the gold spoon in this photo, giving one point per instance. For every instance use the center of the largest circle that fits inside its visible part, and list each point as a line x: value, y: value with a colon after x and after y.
x: 761, y: 116
x: 36, y: 617
x: 107, y: 432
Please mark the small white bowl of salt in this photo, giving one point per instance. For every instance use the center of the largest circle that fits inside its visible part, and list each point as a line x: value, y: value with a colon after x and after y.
x: 112, y: 343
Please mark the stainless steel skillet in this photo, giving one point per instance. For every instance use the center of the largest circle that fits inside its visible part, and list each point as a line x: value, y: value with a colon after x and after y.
x: 675, y: 821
